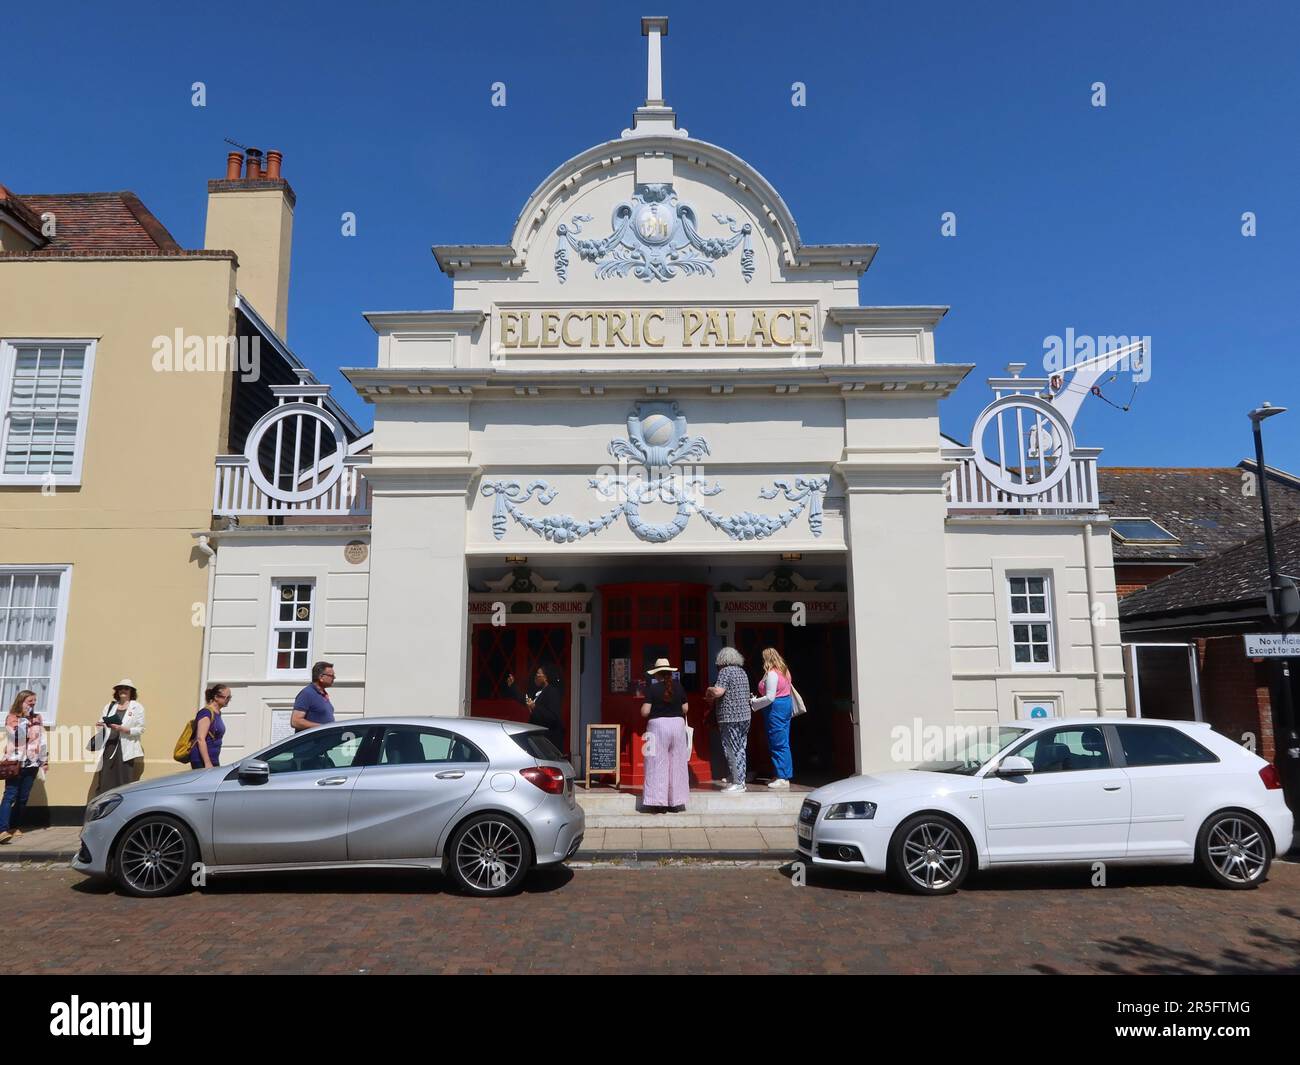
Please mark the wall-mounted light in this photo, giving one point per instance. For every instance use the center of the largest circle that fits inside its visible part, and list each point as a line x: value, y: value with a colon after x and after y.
x: 516, y: 560
x: 792, y: 556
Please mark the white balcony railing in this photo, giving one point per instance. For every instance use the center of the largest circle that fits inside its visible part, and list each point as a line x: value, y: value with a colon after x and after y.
x: 970, y: 489
x: 237, y: 495
x: 308, y: 466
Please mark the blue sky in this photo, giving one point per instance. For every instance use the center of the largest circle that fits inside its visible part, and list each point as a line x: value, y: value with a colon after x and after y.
x: 1117, y: 220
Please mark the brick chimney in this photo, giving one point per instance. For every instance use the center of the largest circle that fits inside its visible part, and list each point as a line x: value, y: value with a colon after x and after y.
x: 250, y: 212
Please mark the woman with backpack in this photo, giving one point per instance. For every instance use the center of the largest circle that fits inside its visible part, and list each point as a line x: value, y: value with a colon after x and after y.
x: 117, y: 739
x: 209, y: 728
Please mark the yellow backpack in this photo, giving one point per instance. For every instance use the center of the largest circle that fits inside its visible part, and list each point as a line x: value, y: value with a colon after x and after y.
x: 185, y: 744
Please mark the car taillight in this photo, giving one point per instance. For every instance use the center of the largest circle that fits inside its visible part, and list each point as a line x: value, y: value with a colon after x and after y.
x: 546, y: 777
x: 1271, y: 777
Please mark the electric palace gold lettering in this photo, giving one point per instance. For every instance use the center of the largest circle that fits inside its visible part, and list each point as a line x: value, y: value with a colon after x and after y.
x: 657, y: 327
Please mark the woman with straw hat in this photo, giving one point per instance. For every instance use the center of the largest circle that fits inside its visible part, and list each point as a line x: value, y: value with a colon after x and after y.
x: 667, y: 780
x: 117, y: 738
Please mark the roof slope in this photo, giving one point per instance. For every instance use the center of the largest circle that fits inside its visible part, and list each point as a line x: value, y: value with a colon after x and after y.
x: 1235, y: 577
x: 100, y: 222
x: 1208, y: 509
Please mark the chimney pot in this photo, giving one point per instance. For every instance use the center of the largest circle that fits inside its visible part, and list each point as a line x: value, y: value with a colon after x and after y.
x: 234, y: 160
x: 254, y: 170
x: 273, y: 159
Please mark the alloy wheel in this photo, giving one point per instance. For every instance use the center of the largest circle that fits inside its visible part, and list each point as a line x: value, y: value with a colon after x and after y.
x: 933, y: 856
x: 152, y: 857
x: 489, y: 855
x: 1237, y: 849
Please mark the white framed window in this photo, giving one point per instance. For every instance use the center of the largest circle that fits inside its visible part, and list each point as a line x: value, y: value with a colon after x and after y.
x: 33, y: 619
x: 44, y: 406
x: 1031, y: 621
x: 293, y: 620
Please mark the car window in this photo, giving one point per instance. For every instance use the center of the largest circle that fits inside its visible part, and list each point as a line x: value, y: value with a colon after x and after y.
x: 1160, y: 745
x: 538, y: 745
x: 408, y: 745
x: 1066, y: 750
x: 318, y: 749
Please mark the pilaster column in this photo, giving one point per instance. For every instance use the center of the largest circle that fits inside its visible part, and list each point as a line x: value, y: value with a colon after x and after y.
x: 898, y: 600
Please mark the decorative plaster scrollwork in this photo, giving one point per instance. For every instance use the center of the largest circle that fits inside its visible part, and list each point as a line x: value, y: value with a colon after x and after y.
x: 654, y: 238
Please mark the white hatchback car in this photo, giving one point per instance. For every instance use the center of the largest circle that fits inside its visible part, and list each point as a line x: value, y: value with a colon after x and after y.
x: 1056, y: 792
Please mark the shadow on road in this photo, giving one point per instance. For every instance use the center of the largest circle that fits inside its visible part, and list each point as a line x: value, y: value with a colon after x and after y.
x: 348, y: 882
x: 1258, y: 951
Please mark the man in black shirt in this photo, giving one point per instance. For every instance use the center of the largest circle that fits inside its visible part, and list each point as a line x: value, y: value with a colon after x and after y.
x: 543, y: 707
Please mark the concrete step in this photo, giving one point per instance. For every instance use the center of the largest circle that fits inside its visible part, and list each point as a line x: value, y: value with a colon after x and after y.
x: 757, y: 808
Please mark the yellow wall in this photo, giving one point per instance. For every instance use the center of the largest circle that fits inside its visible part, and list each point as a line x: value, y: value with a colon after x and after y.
x: 258, y: 225
x: 146, y: 484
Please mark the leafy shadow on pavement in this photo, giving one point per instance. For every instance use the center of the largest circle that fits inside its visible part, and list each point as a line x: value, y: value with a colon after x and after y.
x: 1263, y: 951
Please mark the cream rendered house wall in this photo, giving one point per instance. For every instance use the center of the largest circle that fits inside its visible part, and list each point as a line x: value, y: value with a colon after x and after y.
x: 138, y: 585
x: 981, y: 552
x: 247, y: 563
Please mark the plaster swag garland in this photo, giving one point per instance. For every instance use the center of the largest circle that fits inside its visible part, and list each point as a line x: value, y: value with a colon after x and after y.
x: 805, y: 492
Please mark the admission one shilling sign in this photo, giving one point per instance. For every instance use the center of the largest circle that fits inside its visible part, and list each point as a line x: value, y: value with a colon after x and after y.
x: 1273, y: 645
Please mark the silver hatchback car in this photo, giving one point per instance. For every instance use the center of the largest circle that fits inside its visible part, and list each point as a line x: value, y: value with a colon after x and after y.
x: 480, y: 799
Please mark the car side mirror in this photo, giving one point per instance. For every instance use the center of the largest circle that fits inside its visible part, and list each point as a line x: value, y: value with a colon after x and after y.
x: 1015, y: 766
x: 254, y: 771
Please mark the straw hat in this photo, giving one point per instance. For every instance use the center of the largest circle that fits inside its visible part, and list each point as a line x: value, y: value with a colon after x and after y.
x: 661, y: 666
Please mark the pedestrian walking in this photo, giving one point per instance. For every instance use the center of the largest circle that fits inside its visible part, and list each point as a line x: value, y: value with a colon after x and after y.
x: 312, y: 706
x: 730, y: 692
x: 210, y: 728
x: 667, y: 753
x: 120, y: 754
x: 774, y: 699
x: 26, y: 759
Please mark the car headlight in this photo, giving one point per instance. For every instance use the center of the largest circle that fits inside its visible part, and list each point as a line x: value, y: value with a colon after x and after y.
x: 104, y: 807
x: 851, y: 811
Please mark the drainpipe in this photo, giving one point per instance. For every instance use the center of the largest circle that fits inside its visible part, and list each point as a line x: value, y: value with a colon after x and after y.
x: 1098, y: 677
x: 204, y: 545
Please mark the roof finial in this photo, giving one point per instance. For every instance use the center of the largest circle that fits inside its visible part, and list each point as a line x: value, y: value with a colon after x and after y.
x: 654, y: 117
x: 654, y: 30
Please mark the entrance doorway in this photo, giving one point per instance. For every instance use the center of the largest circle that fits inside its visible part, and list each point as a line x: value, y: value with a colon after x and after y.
x: 821, y: 741
x: 517, y: 649
x: 641, y: 623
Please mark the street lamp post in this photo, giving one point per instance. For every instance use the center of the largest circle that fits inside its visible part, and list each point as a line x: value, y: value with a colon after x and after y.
x: 1286, y: 712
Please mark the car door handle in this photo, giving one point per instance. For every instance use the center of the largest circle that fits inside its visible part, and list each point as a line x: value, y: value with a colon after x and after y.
x: 1112, y: 787
x: 450, y: 774
x: 328, y: 781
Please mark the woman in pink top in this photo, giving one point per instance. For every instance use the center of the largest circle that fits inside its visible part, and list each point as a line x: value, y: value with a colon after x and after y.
x: 775, y: 701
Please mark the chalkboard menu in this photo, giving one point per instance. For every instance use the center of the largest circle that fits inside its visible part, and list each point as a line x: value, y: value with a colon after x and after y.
x: 603, y: 742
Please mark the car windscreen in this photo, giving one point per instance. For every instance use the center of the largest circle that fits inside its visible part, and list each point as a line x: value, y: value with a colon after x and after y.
x: 965, y: 749
x: 537, y: 744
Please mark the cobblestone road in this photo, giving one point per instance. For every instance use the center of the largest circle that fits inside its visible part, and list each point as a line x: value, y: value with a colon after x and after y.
x: 677, y: 919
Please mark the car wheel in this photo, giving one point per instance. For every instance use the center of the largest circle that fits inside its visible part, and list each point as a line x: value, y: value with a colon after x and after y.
x: 490, y: 855
x: 154, y: 857
x: 929, y: 855
x: 1233, y: 850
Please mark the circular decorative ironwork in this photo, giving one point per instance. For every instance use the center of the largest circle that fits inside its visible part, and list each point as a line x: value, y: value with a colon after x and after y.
x: 284, y: 413
x: 1051, y: 436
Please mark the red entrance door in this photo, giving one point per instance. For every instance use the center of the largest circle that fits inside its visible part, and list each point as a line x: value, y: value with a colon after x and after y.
x: 500, y: 651
x: 641, y: 623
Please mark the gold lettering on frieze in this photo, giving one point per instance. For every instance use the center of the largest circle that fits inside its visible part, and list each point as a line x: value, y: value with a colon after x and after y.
x: 615, y: 329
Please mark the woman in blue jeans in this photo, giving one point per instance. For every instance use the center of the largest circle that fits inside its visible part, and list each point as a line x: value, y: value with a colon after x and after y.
x: 777, y: 704
x: 26, y: 745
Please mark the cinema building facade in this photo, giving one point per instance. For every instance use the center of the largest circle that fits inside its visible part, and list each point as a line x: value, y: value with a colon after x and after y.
x: 653, y: 423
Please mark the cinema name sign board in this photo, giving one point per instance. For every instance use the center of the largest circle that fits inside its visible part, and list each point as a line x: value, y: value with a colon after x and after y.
x: 778, y: 328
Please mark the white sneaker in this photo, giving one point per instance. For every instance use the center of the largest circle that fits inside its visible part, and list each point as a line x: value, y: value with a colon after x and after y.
x: 734, y: 787
x: 778, y: 784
